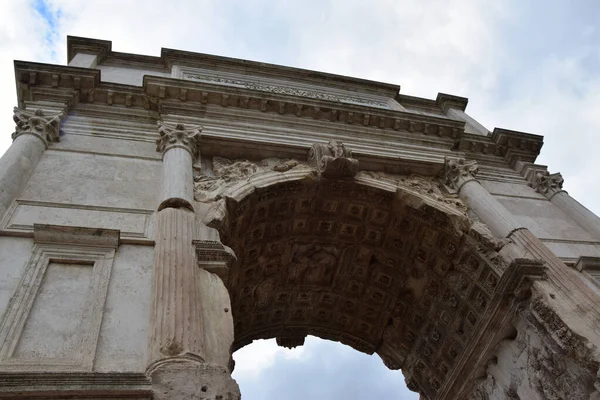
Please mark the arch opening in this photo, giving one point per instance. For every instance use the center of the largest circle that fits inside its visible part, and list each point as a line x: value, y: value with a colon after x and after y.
x: 394, y: 268
x: 320, y: 369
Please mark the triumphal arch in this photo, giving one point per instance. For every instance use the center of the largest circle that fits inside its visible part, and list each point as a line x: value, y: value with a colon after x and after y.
x: 158, y: 213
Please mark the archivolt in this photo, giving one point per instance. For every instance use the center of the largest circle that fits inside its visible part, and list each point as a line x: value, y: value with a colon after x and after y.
x: 382, y: 264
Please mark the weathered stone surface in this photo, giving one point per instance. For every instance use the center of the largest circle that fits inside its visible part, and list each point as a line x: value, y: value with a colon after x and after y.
x: 188, y: 380
x: 123, y: 271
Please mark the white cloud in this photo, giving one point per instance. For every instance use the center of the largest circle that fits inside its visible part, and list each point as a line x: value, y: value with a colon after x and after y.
x: 252, y: 360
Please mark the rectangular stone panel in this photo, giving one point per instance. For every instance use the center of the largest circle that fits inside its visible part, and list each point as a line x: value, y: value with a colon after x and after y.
x: 55, y: 313
x: 52, y: 328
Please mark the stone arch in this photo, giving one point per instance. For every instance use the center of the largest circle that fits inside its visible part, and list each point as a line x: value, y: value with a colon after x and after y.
x: 386, y: 264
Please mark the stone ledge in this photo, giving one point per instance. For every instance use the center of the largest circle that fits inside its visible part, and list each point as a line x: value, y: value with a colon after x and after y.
x: 44, y: 385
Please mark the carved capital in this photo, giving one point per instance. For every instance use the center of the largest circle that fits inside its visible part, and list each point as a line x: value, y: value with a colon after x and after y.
x: 546, y: 183
x: 178, y: 135
x: 44, y: 126
x: 457, y: 172
x: 333, y: 160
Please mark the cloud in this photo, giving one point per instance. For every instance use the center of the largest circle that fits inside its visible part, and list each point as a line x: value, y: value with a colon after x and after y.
x: 320, y: 369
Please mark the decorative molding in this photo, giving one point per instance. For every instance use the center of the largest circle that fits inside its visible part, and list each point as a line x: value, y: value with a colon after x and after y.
x: 15, y: 318
x: 286, y: 90
x: 214, y: 257
x: 37, y: 123
x: 425, y: 186
x: 20, y: 218
x: 457, y: 172
x: 178, y: 136
x: 333, y: 160
x: 28, y: 385
x: 546, y: 183
x: 75, y: 235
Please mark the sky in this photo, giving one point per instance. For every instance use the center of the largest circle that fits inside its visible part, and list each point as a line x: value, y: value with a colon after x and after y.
x: 527, y: 65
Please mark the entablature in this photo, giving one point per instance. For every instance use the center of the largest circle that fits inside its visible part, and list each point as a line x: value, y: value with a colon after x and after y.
x: 404, y: 126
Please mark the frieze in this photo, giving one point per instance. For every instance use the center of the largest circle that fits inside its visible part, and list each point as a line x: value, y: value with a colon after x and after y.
x: 287, y: 90
x: 44, y: 126
x: 568, y: 340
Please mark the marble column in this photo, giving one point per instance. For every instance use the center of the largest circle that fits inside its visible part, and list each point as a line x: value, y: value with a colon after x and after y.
x: 460, y: 178
x: 181, y: 353
x: 176, y: 321
x: 33, y: 132
x: 550, y: 185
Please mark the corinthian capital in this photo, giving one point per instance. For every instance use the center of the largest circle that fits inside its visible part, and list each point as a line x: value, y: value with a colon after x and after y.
x: 457, y: 172
x: 178, y: 135
x: 44, y: 126
x: 546, y: 183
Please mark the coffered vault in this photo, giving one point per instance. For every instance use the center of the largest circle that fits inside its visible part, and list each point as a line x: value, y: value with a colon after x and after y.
x: 158, y: 213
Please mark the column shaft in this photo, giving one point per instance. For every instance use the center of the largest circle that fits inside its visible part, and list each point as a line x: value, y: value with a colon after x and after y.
x: 176, y: 314
x: 16, y: 166
x: 178, y: 179
x: 497, y: 218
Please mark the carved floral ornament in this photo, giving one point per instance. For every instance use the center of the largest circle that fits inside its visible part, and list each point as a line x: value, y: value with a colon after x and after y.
x: 546, y: 183
x: 178, y: 135
x: 457, y: 172
x: 44, y: 126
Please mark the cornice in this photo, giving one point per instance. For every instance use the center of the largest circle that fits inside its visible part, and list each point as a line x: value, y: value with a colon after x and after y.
x: 162, y: 90
x: 162, y: 95
x: 446, y: 101
x: 76, y: 44
x: 513, y: 146
x: 47, y: 82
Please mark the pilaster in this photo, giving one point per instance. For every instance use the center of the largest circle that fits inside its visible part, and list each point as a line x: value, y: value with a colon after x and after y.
x: 551, y: 186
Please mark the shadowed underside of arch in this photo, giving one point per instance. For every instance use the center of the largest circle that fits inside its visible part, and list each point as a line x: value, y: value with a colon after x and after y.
x: 386, y: 266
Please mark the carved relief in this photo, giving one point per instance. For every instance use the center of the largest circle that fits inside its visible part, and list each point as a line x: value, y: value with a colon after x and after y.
x: 178, y: 135
x: 422, y: 185
x: 457, y: 172
x: 286, y: 90
x: 546, y: 183
x: 226, y: 173
x: 331, y: 259
x: 45, y: 127
x: 333, y: 160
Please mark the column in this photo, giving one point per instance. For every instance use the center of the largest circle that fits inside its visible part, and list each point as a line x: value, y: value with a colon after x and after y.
x: 550, y: 185
x: 176, y: 321
x: 460, y: 178
x: 33, y: 132
x: 181, y: 343
x: 571, y: 305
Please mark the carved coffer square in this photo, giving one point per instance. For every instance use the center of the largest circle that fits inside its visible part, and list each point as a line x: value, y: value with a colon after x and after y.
x: 53, y: 320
